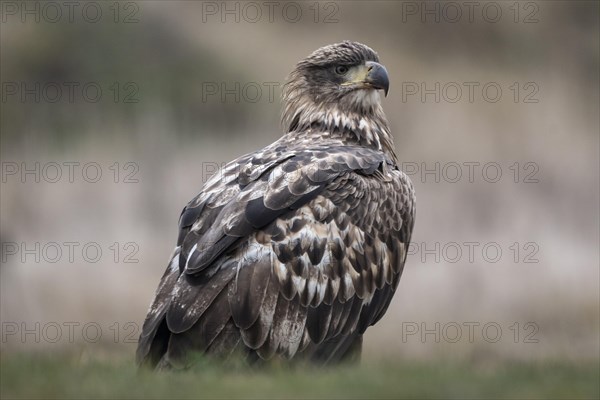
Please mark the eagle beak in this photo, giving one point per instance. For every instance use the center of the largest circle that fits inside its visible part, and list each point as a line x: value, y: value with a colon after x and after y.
x: 377, y: 76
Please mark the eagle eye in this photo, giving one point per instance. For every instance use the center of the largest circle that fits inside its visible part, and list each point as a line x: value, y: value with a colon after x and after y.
x: 341, y: 69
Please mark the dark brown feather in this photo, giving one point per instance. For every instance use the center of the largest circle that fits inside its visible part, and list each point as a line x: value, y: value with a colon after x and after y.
x: 247, y: 294
x: 192, y: 298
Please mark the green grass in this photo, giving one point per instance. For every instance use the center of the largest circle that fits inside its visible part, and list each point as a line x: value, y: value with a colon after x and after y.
x: 60, y: 376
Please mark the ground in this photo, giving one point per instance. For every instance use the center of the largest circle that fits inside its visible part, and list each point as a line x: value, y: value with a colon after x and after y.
x: 27, y: 375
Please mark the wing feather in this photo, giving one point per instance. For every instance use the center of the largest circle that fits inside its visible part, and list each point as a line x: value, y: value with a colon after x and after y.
x: 156, y: 313
x: 193, y: 296
x: 247, y: 295
x: 291, y: 249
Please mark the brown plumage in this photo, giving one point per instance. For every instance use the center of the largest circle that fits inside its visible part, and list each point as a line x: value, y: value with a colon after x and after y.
x: 295, y: 250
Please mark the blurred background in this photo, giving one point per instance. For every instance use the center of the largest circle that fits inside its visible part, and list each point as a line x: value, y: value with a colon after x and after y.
x: 113, y: 114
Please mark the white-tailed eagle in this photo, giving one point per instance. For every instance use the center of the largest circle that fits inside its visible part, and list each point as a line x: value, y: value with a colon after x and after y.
x: 295, y: 250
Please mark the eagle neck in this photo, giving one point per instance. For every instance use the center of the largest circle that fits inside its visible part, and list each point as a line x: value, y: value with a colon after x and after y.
x: 368, y: 129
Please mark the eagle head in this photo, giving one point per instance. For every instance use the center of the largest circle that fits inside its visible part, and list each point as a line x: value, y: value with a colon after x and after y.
x: 338, y: 82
